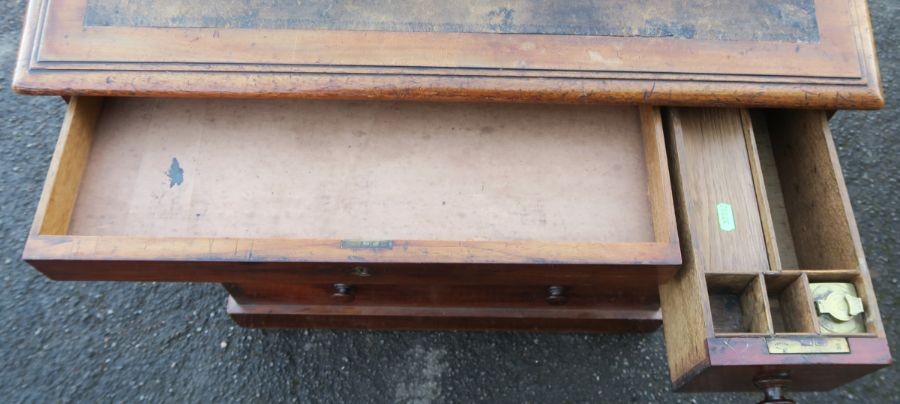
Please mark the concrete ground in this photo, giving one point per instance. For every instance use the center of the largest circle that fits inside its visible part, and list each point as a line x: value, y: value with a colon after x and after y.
x: 116, y: 342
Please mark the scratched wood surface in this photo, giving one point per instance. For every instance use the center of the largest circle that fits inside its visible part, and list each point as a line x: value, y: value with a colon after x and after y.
x: 763, y: 20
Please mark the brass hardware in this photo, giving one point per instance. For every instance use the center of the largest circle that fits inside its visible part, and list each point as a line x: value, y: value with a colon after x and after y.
x: 807, y: 345
x: 839, y: 307
x: 556, y: 295
x: 361, y: 271
x: 343, y: 293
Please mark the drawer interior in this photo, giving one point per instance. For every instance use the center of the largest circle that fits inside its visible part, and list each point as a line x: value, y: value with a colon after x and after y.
x: 789, y: 226
x: 802, y: 181
x: 365, y: 170
x: 353, y: 181
x: 791, y: 304
x: 737, y: 304
x: 773, y: 264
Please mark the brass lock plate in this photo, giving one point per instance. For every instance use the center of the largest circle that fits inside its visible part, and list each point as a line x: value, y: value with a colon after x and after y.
x: 839, y: 308
x: 807, y: 345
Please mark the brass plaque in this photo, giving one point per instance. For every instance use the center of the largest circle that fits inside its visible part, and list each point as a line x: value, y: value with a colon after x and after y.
x: 807, y: 345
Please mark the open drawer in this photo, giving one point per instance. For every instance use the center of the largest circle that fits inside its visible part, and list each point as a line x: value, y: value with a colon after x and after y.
x: 775, y: 290
x: 288, y: 191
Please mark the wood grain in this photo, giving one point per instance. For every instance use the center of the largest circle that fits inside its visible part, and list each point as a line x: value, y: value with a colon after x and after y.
x: 714, y: 169
x: 755, y: 307
x: 781, y: 248
x: 141, y: 254
x: 766, y: 215
x: 791, y: 304
x: 810, y: 182
x: 738, y: 304
x: 691, y: 304
x: 685, y: 306
x: 70, y: 158
x: 659, y: 180
x: 59, y: 55
x: 373, y: 171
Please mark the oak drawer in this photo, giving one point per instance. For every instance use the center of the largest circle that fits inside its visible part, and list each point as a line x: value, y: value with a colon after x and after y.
x: 767, y: 229
x: 359, y: 192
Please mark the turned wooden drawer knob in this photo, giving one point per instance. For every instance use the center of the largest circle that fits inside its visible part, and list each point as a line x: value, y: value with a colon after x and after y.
x: 557, y: 295
x: 343, y: 293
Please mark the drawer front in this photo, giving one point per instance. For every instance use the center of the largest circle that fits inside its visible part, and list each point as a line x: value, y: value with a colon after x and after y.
x: 644, y: 280
x: 534, y: 296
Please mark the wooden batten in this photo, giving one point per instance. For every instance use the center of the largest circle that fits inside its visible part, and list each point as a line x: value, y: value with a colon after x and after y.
x: 684, y: 305
x: 67, y: 167
x: 766, y: 215
x: 658, y: 178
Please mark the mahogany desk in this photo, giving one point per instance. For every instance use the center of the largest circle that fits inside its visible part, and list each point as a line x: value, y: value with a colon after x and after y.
x: 583, y: 166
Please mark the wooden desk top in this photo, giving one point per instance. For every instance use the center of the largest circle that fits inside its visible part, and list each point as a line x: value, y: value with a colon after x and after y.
x: 788, y: 53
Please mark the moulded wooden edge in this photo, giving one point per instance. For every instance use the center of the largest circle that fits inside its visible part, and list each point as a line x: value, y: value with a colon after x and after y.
x: 689, y: 90
x: 687, y: 93
x: 612, y: 319
x: 67, y: 166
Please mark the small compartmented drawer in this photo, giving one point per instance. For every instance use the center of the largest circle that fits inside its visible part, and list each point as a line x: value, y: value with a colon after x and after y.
x: 737, y: 304
x: 791, y: 304
x: 808, y: 218
x: 775, y: 291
